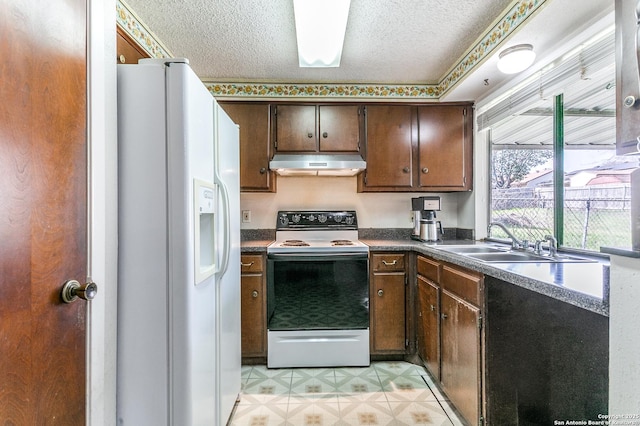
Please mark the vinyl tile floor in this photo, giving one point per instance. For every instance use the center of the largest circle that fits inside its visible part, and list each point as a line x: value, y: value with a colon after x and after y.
x: 385, y: 393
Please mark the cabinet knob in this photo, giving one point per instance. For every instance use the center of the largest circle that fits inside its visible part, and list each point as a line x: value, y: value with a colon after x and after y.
x: 425, y: 170
x: 380, y: 292
x: 325, y: 135
x: 433, y: 308
x: 254, y: 294
x: 389, y: 263
x: 122, y: 59
x: 263, y: 170
x: 309, y: 135
x: 445, y: 316
x: 406, y: 170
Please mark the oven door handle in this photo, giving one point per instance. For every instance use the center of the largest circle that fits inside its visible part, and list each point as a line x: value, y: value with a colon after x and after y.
x: 317, y: 256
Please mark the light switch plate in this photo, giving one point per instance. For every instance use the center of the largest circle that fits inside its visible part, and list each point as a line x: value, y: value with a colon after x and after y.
x: 246, y: 216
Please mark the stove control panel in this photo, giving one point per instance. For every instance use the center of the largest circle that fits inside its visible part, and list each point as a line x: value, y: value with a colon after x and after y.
x: 342, y: 219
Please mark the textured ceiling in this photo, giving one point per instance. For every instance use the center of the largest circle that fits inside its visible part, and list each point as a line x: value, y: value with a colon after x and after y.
x: 387, y: 41
x: 393, y: 42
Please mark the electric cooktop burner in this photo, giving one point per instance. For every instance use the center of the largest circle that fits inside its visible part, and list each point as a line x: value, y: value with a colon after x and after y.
x: 295, y: 243
x: 342, y: 242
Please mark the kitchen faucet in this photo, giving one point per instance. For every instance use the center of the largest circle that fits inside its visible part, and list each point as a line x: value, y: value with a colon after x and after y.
x: 515, y: 243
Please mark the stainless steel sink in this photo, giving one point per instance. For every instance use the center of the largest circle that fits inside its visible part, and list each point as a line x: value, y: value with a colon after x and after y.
x: 497, y: 254
x: 474, y: 249
x: 524, y: 257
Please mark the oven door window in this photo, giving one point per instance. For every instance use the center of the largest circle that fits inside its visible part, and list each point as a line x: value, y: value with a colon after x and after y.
x: 318, y: 293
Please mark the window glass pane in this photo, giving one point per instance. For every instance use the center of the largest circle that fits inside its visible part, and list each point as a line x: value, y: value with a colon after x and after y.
x: 522, y: 173
x: 596, y: 210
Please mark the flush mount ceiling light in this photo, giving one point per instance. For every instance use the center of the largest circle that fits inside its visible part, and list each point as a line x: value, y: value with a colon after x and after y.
x: 320, y: 28
x: 516, y: 58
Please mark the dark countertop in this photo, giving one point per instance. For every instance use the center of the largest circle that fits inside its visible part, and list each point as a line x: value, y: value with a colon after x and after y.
x: 254, y: 246
x: 585, y: 285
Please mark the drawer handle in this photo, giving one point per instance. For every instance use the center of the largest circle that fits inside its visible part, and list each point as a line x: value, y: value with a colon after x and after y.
x: 254, y: 294
x: 380, y: 292
x: 247, y: 265
x: 390, y: 263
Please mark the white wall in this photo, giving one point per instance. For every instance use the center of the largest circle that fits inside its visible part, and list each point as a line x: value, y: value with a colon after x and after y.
x: 624, y: 339
x: 375, y: 210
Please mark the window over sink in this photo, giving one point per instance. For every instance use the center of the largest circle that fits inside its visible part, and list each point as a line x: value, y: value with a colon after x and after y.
x: 554, y: 168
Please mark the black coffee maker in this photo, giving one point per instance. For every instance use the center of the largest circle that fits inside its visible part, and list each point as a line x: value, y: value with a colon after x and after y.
x: 425, y: 226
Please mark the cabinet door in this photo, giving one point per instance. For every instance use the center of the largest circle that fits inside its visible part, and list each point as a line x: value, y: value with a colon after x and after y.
x: 389, y: 150
x: 428, y: 325
x: 255, y: 147
x: 253, y: 307
x: 128, y: 51
x: 388, y: 312
x: 339, y: 128
x: 444, y: 138
x: 296, y: 128
x: 460, y: 355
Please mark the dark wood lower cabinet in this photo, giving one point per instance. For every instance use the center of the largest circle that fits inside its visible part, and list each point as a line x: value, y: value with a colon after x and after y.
x: 253, y: 306
x: 461, y: 355
x: 387, y: 300
x: 428, y: 324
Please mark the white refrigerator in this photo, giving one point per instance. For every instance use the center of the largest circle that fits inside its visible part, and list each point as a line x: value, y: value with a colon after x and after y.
x: 179, y: 354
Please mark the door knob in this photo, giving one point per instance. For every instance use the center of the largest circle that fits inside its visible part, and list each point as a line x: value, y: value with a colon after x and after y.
x: 72, y: 290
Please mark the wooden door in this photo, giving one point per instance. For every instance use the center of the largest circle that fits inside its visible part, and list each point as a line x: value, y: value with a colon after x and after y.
x: 43, y: 219
x: 389, y: 146
x: 461, y: 366
x: 339, y: 128
x: 429, y: 325
x: 255, y: 144
x: 296, y: 129
x: 445, y: 147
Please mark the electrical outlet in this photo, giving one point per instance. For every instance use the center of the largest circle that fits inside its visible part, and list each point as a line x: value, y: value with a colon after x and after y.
x: 246, y: 216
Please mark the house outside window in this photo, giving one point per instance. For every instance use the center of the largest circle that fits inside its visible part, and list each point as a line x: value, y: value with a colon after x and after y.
x: 554, y: 170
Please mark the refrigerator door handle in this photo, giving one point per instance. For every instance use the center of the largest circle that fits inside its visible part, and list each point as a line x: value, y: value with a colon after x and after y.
x: 224, y: 192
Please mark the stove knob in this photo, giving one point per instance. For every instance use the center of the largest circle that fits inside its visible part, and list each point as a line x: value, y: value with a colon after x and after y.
x: 296, y: 218
x: 311, y: 218
x: 337, y: 218
x: 322, y: 218
x: 349, y: 220
x: 284, y: 220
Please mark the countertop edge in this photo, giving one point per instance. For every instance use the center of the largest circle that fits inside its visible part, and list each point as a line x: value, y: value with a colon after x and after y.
x: 573, y: 297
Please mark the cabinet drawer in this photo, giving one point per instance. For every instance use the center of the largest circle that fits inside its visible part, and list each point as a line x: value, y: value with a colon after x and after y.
x: 429, y: 269
x: 463, y: 283
x: 250, y: 264
x: 388, y: 262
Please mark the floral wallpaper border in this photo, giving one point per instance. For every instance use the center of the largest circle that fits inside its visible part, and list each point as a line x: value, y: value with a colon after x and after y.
x: 505, y: 26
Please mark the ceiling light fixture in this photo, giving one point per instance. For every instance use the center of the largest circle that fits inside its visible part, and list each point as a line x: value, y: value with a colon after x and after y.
x: 320, y: 29
x: 516, y: 58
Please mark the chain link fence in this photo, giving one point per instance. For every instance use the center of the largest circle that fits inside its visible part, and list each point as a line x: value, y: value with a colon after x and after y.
x: 594, y: 216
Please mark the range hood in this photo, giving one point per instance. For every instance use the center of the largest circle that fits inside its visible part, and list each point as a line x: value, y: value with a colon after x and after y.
x: 317, y: 164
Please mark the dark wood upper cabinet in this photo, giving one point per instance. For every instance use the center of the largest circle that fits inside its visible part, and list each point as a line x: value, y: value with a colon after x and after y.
x: 445, y: 147
x: 317, y: 128
x: 128, y: 51
x: 389, y: 137
x: 255, y: 146
x: 418, y: 148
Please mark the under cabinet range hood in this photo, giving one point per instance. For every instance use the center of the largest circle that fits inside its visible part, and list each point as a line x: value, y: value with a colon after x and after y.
x: 317, y: 164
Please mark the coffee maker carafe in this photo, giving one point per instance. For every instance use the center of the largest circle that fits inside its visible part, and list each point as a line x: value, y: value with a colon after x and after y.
x: 425, y: 225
